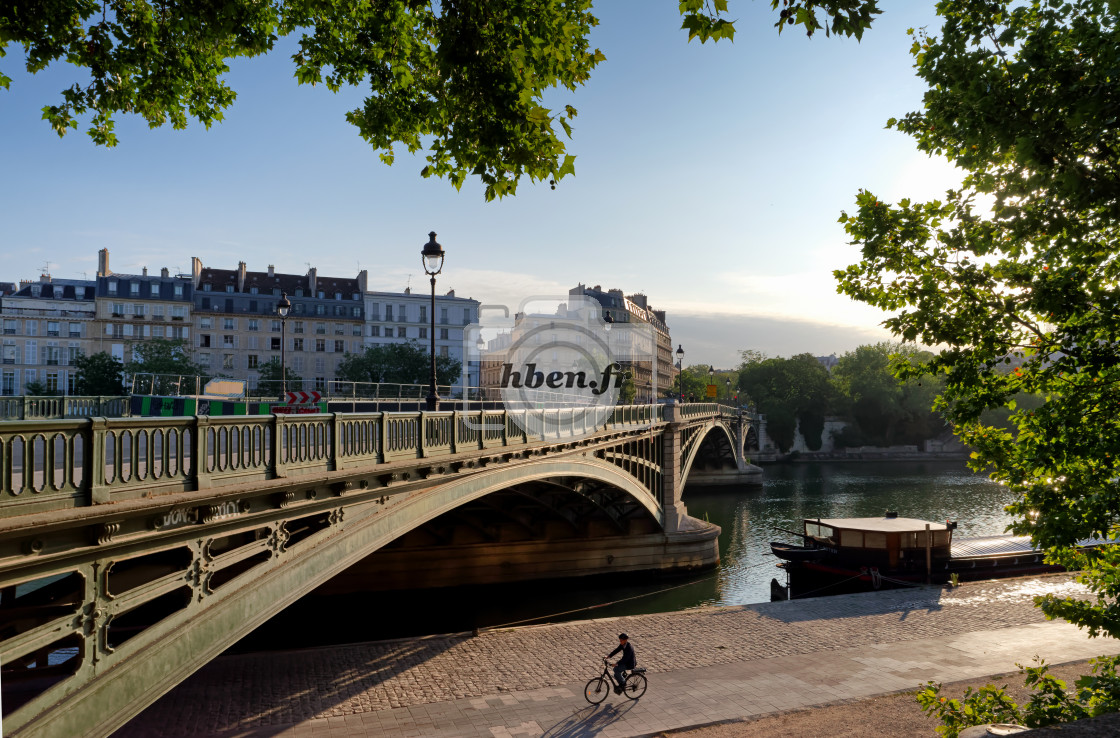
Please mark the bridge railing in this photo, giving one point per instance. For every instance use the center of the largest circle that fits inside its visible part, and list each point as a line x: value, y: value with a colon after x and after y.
x: 48, y: 465
x: 52, y: 407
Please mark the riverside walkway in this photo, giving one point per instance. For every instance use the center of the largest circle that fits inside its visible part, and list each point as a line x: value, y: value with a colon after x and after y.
x: 705, y: 665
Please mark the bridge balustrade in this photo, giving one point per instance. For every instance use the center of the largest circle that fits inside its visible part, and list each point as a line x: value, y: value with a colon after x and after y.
x: 48, y: 465
x: 58, y: 407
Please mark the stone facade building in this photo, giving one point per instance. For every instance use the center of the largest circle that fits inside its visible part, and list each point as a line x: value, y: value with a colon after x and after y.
x: 237, y: 328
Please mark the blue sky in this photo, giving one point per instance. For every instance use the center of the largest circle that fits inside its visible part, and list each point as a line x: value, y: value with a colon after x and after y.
x: 707, y: 176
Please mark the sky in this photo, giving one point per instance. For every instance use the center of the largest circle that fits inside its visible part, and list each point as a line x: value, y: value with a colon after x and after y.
x: 709, y: 177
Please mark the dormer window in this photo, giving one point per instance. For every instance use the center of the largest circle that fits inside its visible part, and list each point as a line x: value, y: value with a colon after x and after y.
x: 229, y: 288
x: 253, y: 290
x: 112, y: 286
x: 338, y: 295
x: 299, y: 292
x: 206, y: 287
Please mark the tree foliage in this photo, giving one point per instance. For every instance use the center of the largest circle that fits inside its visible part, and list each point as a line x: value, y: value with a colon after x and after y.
x: 789, y: 392
x: 270, y: 378
x: 397, y: 363
x: 164, y: 356
x: 1023, y: 96
x: 98, y: 374
x: 885, y: 410
x: 462, y: 80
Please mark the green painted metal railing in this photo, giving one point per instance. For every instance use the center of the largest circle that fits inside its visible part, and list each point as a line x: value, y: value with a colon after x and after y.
x: 48, y: 465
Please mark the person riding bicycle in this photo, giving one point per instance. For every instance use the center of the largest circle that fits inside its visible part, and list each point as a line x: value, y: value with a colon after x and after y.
x: 625, y: 663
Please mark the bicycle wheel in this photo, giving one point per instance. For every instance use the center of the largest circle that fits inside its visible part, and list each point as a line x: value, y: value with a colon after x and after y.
x: 635, y: 686
x: 596, y: 690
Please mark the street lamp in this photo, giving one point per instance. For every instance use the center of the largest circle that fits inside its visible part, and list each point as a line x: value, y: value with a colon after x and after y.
x: 680, y: 370
x: 432, y: 256
x: 282, y: 309
x: 729, y: 390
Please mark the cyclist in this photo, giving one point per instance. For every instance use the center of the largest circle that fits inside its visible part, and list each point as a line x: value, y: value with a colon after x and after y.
x: 626, y: 662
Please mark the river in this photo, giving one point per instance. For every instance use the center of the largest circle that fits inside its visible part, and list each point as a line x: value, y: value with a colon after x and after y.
x: 749, y: 517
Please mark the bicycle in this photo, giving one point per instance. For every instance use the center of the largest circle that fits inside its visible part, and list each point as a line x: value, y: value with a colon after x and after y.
x: 633, y: 685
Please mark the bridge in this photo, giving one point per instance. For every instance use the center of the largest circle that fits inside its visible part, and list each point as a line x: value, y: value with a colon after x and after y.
x: 134, y: 550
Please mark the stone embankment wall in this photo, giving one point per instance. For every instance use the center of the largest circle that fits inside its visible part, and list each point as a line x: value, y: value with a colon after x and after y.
x: 945, y: 446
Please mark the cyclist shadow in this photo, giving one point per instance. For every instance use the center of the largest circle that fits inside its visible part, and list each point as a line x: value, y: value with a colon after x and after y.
x: 589, y: 721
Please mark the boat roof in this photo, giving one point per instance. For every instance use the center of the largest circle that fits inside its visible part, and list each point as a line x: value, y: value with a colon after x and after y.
x: 884, y: 525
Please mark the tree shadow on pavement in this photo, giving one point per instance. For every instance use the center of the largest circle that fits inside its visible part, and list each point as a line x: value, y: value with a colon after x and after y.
x: 589, y: 721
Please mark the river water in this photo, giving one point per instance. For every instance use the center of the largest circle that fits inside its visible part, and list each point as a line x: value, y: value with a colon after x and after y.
x: 749, y: 517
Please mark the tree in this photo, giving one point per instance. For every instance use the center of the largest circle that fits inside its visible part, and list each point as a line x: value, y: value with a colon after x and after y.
x: 397, y: 363
x: 628, y: 391
x: 37, y: 389
x: 695, y: 380
x: 168, y: 362
x: 1023, y: 98
x: 270, y: 378
x: 885, y: 409
x: 463, y: 79
x: 790, y: 392
x: 98, y: 374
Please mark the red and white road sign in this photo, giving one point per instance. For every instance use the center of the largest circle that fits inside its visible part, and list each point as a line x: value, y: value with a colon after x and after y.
x: 299, y: 398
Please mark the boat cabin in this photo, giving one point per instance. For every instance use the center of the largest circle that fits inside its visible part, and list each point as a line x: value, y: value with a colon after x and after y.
x: 890, y: 540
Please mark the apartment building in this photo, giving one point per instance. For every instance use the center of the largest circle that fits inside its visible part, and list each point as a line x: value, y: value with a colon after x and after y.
x: 237, y: 328
x: 46, y: 325
x: 133, y: 308
x: 403, y: 316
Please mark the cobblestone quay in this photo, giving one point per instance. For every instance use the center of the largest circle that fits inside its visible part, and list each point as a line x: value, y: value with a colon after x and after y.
x: 704, y: 665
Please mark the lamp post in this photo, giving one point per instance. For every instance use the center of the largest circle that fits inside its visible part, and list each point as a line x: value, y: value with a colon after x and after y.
x: 282, y: 309
x: 680, y: 370
x: 432, y: 256
x: 481, y: 346
x: 729, y: 390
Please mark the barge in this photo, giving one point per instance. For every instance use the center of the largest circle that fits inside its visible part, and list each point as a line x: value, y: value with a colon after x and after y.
x: 844, y: 555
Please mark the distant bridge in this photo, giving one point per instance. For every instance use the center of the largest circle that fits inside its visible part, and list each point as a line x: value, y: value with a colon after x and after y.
x: 134, y: 550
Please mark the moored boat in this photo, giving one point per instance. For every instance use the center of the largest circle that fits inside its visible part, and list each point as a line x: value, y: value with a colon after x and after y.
x: 842, y: 555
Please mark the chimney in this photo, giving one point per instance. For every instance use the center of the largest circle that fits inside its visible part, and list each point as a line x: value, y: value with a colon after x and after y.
x: 163, y: 273
x: 144, y: 272
x: 271, y: 270
x: 363, y: 281
x: 196, y: 271
x: 240, y: 276
x: 451, y: 293
x: 312, y: 279
x: 103, y: 263
x: 598, y: 288
x: 44, y: 277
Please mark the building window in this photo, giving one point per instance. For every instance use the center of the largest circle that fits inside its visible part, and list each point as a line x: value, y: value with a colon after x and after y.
x: 252, y: 361
x: 402, y: 332
x: 254, y: 325
x: 321, y: 328
x: 229, y: 341
x: 423, y: 314
x: 443, y: 351
x: 229, y: 288
x: 112, y: 286
x: 320, y: 344
x: 178, y: 312
x: 339, y: 347
x: 181, y: 332
x: 355, y: 312
x: 320, y: 309
x: 204, y: 340
x: 11, y: 353
x: 321, y: 294
x: 204, y: 360
x: 206, y: 303
x: 8, y: 383
x: 31, y: 327
x: 252, y: 342
x: 253, y: 291
x: 320, y: 383
x: 157, y: 310
x: 10, y: 328
x: 206, y: 287
x: 388, y: 311
x: 205, y: 323
x: 157, y: 331
x: 52, y: 382
x: 178, y: 290
x: 297, y: 344
x: 51, y: 355
x: 139, y: 310
x: 229, y: 324
x: 338, y: 295
x: 227, y: 361
x: 275, y: 344
x: 374, y: 311
x: 357, y: 330
x: 375, y: 331
x: 355, y: 296
x: 52, y: 327
x: 297, y: 327
x: 276, y: 326
x: 423, y: 332
x: 443, y: 334
x: 443, y: 315
x: 401, y: 314
x: 320, y: 366
x: 134, y: 289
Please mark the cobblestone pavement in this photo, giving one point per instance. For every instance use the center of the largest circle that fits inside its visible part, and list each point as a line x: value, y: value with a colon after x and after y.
x: 703, y: 664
